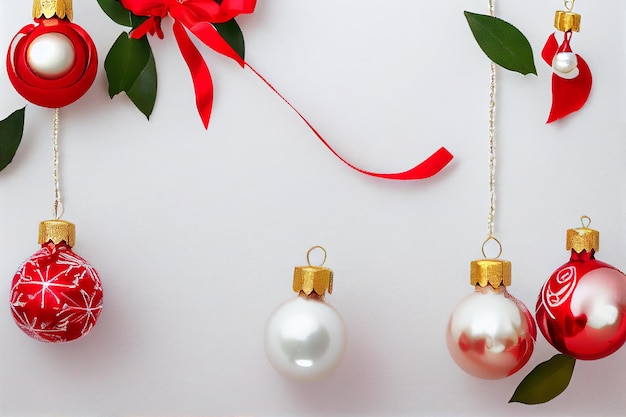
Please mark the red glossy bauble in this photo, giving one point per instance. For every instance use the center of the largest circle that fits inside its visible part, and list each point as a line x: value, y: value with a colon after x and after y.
x: 56, y: 296
x: 581, y: 309
x: 52, y: 63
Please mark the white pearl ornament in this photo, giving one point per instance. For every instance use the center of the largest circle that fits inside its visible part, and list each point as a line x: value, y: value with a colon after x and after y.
x: 565, y: 65
x: 491, y: 334
x: 51, y: 55
x: 305, y: 338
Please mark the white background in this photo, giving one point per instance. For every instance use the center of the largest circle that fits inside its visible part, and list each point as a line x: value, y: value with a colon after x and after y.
x: 195, y: 233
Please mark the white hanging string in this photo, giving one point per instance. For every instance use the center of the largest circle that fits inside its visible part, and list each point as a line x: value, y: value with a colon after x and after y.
x: 492, y: 141
x: 58, y: 204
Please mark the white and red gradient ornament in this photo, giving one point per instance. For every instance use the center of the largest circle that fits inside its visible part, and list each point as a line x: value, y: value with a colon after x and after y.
x: 53, y: 62
x: 581, y: 309
x: 56, y: 296
x: 491, y: 334
x: 305, y: 338
x: 571, y: 76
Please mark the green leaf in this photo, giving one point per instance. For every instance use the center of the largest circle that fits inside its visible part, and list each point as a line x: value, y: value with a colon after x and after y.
x: 547, y: 381
x: 502, y: 42
x: 11, y: 131
x: 130, y: 68
x: 231, y: 32
x: 117, y: 12
x: 143, y: 92
x: 125, y: 61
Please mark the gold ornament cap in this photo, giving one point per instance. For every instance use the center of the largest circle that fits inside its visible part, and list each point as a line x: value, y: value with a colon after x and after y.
x: 313, y: 279
x: 583, y: 238
x: 57, y: 231
x: 494, y: 272
x: 565, y: 21
x: 51, y: 8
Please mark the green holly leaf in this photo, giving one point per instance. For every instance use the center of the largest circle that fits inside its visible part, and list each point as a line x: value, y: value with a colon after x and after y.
x: 11, y: 131
x: 546, y: 382
x: 502, y: 42
x: 143, y: 92
x: 231, y: 32
x: 117, y: 12
x: 130, y: 68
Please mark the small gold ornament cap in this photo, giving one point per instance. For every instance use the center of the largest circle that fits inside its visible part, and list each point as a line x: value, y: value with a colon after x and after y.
x: 565, y: 21
x: 51, y: 8
x: 583, y: 238
x: 313, y: 279
x: 57, y: 231
x: 494, y: 272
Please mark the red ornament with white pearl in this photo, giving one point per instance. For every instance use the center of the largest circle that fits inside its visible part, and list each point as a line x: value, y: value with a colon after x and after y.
x: 581, y: 309
x: 56, y: 296
x: 54, y: 62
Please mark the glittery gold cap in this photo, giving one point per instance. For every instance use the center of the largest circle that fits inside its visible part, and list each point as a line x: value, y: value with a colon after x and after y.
x: 494, y: 272
x: 50, y: 8
x: 308, y: 279
x: 566, y: 21
x: 582, y: 238
x: 57, y: 231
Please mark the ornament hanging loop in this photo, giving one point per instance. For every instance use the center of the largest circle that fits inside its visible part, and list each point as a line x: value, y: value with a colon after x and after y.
x: 569, y: 5
x: 308, y: 254
x: 497, y: 242
x: 585, y: 221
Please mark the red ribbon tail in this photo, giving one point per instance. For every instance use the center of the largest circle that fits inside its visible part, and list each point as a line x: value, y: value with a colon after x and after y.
x: 202, y: 81
x: 429, y: 167
x: 550, y: 49
x: 569, y: 96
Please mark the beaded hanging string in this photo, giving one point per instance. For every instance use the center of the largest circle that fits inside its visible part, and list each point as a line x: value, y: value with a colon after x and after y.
x: 58, y: 204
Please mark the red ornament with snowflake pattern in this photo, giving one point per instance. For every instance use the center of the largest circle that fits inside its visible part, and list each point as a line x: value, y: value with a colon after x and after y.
x: 56, y: 296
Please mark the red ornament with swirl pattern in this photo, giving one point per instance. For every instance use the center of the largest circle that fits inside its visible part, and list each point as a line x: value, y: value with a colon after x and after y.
x: 56, y: 296
x: 54, y: 62
x: 581, y: 309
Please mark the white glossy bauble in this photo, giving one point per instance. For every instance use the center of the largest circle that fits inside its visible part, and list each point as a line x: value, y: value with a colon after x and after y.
x: 51, y: 55
x: 305, y: 338
x: 565, y: 65
x: 490, y: 334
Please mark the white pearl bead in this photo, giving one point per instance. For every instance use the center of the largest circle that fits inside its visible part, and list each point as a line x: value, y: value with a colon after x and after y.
x: 565, y: 64
x: 51, y: 55
x: 305, y: 339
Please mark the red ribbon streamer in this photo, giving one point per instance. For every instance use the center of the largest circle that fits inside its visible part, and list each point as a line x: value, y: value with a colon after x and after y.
x: 429, y: 167
x: 198, y: 17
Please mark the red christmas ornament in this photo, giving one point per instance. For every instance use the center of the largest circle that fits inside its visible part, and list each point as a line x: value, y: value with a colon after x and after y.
x: 56, y: 296
x: 571, y: 76
x: 581, y: 309
x: 54, y: 62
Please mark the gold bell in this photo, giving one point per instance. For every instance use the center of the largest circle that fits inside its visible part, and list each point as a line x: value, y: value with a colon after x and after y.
x: 57, y: 231
x: 313, y: 279
x: 565, y: 21
x: 494, y: 272
x: 51, y: 8
x: 583, y: 238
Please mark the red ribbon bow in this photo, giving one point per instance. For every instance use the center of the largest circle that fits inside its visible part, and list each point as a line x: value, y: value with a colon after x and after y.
x: 198, y: 17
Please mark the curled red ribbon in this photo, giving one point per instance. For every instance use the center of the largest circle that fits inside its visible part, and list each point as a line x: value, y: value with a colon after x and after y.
x: 198, y: 17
